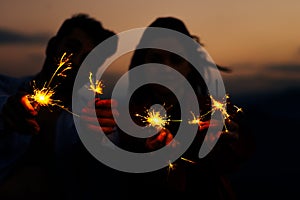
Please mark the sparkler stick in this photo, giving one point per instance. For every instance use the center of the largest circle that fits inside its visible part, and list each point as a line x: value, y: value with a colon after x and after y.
x: 43, y: 97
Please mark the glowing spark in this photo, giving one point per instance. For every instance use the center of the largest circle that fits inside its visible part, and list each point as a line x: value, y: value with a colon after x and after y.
x: 155, y: 119
x: 64, y: 61
x: 44, y: 96
x: 187, y: 160
x: 238, y: 109
x: 195, y: 120
x: 96, y: 87
x: 171, y: 167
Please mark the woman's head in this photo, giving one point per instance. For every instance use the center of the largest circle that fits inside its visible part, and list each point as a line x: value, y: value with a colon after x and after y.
x: 162, y: 56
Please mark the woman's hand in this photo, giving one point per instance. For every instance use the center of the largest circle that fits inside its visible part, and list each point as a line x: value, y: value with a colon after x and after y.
x: 163, y: 138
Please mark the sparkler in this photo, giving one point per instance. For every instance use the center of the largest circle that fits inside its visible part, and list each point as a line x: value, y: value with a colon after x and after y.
x: 217, y: 106
x: 195, y: 120
x: 43, y: 97
x: 155, y: 118
x: 96, y: 87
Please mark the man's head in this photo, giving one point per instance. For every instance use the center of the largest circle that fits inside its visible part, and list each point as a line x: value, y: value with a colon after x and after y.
x: 78, y: 36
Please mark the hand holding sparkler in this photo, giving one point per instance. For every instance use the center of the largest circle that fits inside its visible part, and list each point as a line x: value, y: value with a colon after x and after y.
x: 19, y: 115
x: 163, y: 138
x: 105, y: 109
x: 158, y: 119
x: 229, y: 113
x: 21, y: 109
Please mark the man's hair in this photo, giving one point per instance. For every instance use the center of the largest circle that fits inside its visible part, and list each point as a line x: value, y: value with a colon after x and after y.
x: 86, y: 23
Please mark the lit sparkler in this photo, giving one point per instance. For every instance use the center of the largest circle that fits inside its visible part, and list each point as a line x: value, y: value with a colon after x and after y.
x: 219, y: 106
x: 195, y: 120
x: 155, y: 118
x: 43, y: 96
x: 97, y: 86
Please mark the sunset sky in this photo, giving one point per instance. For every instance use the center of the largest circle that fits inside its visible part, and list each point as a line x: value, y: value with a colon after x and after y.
x: 258, y: 40
x: 242, y: 34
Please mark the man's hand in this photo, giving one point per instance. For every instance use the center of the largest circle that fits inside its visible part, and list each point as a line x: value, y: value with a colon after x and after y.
x: 105, y: 109
x: 163, y: 138
x: 19, y: 115
x: 229, y: 132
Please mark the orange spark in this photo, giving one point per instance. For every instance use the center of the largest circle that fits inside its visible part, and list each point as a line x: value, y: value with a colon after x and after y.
x: 43, y: 96
x: 97, y: 86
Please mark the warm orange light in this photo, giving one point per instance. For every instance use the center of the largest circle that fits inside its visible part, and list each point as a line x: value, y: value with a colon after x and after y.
x: 155, y: 118
x: 221, y: 107
x: 97, y: 86
x: 195, y: 120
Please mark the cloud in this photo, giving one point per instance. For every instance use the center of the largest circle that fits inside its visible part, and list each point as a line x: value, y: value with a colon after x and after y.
x: 285, y: 68
x: 265, y: 80
x: 27, y: 65
x: 14, y: 37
